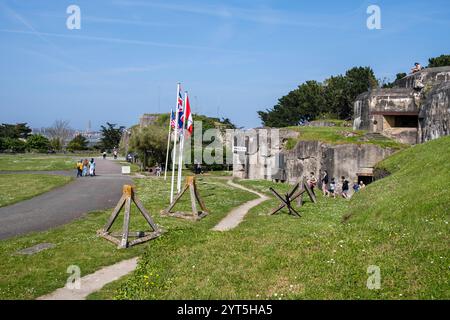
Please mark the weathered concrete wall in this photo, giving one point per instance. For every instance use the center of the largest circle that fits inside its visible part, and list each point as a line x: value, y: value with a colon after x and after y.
x: 431, y: 76
x: 273, y: 162
x: 347, y: 160
x: 435, y: 113
x: 424, y: 94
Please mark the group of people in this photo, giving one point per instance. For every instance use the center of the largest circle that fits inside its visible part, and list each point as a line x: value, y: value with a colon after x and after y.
x: 330, y: 186
x: 86, y: 168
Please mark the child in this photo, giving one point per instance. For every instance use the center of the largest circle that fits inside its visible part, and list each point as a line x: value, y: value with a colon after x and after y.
x: 312, y: 182
x: 355, y: 186
x: 79, y: 168
x: 345, y: 187
x: 92, y: 168
x: 332, y: 188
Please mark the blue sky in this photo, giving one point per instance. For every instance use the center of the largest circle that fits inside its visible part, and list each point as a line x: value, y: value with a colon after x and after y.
x: 235, y: 57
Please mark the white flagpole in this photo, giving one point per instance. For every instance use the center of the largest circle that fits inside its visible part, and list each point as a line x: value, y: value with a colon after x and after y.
x: 174, y: 147
x: 168, y: 145
x: 180, y: 157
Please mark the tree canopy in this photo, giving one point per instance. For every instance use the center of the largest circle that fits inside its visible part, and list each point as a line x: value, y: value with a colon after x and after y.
x: 37, y: 142
x: 111, y: 136
x: 78, y: 143
x: 14, y: 131
x: 441, y: 61
x: 311, y: 100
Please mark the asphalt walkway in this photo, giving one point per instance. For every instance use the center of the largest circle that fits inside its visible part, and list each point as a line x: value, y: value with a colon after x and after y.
x: 64, y: 204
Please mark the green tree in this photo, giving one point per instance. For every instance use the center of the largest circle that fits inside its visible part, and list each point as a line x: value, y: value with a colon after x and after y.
x: 312, y: 99
x: 111, y: 136
x: 14, y: 145
x: 15, y: 131
x: 304, y: 103
x: 150, y: 143
x: 441, y: 61
x: 38, y: 143
x: 78, y: 143
x: 387, y: 84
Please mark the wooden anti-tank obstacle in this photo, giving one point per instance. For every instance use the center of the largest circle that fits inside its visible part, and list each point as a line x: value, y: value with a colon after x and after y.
x: 195, y: 197
x: 121, y: 239
x: 291, y: 196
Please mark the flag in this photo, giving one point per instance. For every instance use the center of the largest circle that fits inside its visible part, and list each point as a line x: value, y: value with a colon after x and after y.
x: 190, y: 122
x: 172, y: 119
x: 180, y: 110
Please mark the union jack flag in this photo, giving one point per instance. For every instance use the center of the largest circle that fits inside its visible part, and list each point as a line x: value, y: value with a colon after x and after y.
x: 180, y: 110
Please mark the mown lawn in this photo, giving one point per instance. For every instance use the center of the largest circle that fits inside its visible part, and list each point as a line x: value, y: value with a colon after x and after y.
x: 33, y: 162
x: 27, y: 277
x: 398, y: 224
x: 19, y: 187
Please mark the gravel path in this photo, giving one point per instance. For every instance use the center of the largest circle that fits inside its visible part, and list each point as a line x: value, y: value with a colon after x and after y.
x: 94, y: 281
x: 64, y: 204
x: 235, y: 216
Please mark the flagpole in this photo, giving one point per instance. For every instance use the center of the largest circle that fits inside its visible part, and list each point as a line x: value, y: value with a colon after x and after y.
x: 174, y: 147
x: 168, y: 144
x: 182, y: 136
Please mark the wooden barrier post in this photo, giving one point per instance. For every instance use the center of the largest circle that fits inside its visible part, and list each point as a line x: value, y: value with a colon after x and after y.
x: 129, y: 197
x: 194, y: 197
x: 291, y: 196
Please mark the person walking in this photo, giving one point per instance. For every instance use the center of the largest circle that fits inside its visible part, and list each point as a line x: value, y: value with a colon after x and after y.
x: 80, y: 168
x: 92, y: 168
x: 345, y: 188
x: 325, y: 183
x: 312, y: 182
x: 332, y: 188
x: 85, y: 167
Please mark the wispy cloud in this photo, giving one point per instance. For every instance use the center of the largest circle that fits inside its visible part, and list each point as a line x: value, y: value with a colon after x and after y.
x: 119, y: 40
x: 98, y: 19
x: 31, y: 30
x: 257, y: 15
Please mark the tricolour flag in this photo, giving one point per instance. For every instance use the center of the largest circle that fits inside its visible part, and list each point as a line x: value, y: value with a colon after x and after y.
x: 190, y: 122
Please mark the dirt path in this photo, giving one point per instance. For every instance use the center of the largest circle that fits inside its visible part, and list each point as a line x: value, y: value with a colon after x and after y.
x: 66, y: 203
x: 94, y: 281
x: 235, y: 216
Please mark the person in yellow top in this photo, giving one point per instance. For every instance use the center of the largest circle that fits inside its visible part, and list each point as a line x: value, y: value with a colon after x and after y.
x: 79, y: 168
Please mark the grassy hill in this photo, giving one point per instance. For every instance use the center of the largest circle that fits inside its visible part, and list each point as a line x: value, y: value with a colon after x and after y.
x: 399, y: 224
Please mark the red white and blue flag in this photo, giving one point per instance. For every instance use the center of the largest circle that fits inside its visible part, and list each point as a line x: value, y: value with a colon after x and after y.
x: 180, y: 109
x: 172, y: 119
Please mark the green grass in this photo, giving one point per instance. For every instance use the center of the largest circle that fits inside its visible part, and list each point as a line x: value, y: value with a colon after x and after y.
x: 338, y: 135
x: 133, y: 166
x: 399, y: 224
x: 36, y: 162
x: 19, y: 187
x: 27, y: 277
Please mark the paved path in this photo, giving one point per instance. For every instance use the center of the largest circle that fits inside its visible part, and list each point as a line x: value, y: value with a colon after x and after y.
x: 93, y: 282
x: 66, y: 203
x: 235, y: 216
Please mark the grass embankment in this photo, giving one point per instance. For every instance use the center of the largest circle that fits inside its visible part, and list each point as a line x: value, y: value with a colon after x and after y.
x: 399, y: 224
x: 19, y: 187
x: 27, y: 277
x: 32, y: 162
x: 339, y: 135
